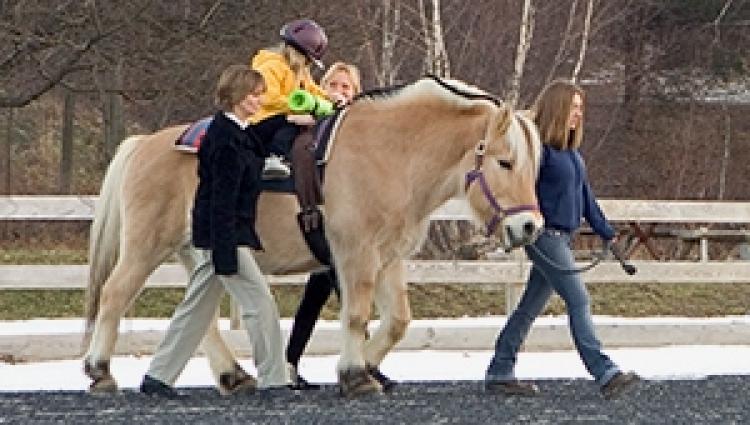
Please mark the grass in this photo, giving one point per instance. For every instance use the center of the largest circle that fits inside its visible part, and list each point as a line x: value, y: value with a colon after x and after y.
x: 42, y: 256
x: 427, y: 301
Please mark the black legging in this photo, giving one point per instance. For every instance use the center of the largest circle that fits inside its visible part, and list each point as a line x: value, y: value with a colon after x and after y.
x: 277, y: 134
x: 317, y: 291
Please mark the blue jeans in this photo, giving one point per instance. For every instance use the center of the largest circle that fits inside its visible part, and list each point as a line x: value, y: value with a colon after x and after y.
x: 542, y: 281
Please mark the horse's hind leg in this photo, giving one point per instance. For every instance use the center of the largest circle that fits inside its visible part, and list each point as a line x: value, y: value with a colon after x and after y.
x: 229, y: 375
x: 357, y: 276
x: 392, y: 302
x: 118, y: 293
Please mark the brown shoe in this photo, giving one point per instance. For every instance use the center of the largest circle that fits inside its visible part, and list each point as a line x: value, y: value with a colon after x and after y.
x: 515, y: 387
x: 619, y: 384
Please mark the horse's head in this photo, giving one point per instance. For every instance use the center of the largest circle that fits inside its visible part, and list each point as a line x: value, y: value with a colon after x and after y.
x: 501, y: 184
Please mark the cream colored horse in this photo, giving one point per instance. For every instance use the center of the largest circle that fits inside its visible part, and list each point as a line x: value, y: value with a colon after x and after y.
x: 397, y: 157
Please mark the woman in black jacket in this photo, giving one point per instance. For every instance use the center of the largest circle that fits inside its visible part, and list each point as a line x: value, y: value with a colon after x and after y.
x: 229, y: 166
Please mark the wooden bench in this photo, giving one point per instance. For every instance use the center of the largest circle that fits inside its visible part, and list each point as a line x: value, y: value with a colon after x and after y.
x: 643, y: 220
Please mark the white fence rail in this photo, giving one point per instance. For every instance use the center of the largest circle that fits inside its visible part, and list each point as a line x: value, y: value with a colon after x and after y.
x: 73, y: 207
x: 512, y: 273
x: 25, y: 277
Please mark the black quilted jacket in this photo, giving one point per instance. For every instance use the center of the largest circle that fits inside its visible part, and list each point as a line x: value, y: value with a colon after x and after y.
x: 229, y: 168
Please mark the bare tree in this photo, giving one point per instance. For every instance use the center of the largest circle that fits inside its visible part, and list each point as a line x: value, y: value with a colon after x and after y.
x: 66, y: 145
x: 436, y: 59
x: 563, y: 43
x: 726, y: 151
x: 584, y: 40
x: 715, y: 23
x: 391, y: 26
x: 526, y: 32
x: 43, y: 45
x: 384, y: 65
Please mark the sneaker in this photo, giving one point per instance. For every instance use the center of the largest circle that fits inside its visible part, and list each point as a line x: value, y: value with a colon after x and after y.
x: 298, y: 382
x: 619, y: 384
x: 384, y: 381
x: 155, y: 388
x: 513, y: 387
x: 274, y: 169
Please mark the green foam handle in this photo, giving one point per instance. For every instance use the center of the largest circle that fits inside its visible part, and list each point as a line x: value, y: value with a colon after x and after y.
x: 303, y: 102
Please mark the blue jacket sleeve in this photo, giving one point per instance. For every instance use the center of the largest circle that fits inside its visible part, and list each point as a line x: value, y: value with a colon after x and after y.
x: 594, y: 215
x: 226, y: 170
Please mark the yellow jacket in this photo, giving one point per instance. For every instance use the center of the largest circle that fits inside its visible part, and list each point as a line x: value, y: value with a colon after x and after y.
x: 279, y: 79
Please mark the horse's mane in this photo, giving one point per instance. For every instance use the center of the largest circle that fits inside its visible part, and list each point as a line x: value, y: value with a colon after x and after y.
x: 463, y: 95
x: 426, y: 84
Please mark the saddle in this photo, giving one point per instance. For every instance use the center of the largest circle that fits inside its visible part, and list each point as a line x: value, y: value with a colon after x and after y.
x: 310, y: 152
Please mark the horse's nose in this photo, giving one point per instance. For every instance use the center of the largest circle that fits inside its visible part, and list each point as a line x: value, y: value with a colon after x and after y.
x: 529, y: 229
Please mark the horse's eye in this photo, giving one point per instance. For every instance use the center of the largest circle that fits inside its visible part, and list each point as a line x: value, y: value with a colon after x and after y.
x: 507, y: 164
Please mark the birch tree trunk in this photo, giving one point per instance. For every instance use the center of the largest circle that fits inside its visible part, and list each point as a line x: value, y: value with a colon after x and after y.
x: 436, y: 61
x: 584, y: 40
x: 526, y: 32
x: 442, y: 64
x: 391, y: 26
x: 429, y: 50
x: 563, y: 43
x: 384, y: 67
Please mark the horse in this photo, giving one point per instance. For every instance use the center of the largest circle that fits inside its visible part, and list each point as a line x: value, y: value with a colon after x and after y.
x: 397, y: 155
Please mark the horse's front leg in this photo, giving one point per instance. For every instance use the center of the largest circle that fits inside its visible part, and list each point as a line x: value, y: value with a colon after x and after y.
x: 392, y: 302
x: 357, y: 278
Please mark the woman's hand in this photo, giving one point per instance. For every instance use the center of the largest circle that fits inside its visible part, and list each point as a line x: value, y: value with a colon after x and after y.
x: 301, y: 119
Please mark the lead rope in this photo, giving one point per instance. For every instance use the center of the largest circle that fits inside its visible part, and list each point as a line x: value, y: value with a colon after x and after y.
x: 598, y: 257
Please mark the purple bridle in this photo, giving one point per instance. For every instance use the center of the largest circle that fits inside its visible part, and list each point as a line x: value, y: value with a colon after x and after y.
x: 499, y: 213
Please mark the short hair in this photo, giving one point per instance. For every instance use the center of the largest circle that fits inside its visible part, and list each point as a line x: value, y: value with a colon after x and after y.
x: 351, y: 70
x: 551, y: 112
x: 234, y: 85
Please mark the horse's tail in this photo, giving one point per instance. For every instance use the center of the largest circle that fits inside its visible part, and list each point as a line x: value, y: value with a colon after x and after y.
x: 104, y: 241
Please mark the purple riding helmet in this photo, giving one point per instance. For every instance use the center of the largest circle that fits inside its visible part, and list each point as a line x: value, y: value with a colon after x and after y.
x: 308, y: 37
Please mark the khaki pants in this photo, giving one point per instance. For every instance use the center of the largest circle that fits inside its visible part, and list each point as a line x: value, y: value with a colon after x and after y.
x: 192, y: 317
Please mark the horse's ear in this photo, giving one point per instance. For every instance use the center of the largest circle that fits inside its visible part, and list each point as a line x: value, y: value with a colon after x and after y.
x: 504, y: 117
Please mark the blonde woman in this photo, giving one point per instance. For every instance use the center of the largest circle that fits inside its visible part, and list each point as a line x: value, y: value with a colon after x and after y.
x: 286, y: 68
x: 341, y: 83
x: 565, y: 198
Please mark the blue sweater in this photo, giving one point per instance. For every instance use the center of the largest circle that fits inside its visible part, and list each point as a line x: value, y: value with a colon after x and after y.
x: 565, y: 196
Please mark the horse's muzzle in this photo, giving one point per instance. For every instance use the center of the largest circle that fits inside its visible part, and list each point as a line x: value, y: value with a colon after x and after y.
x: 522, y: 229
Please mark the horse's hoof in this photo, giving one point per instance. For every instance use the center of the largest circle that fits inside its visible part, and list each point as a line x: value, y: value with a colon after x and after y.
x: 357, y: 383
x: 103, y: 386
x: 384, y: 381
x: 237, y: 381
x: 102, y: 381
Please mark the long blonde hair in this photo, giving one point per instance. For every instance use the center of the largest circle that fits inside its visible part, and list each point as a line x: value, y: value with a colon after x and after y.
x: 351, y: 70
x: 551, y: 112
x: 297, y: 61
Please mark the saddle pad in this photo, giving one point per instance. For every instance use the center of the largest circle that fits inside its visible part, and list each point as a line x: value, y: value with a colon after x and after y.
x: 190, y: 140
